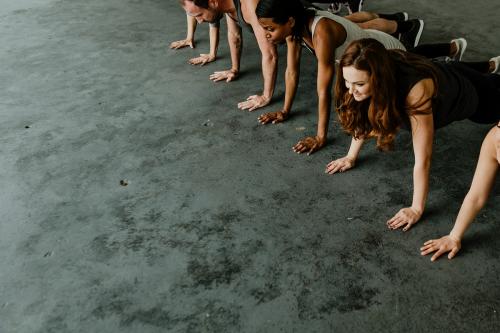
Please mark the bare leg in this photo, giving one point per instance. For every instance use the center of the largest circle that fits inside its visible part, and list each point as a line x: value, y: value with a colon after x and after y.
x: 380, y: 24
x: 361, y: 17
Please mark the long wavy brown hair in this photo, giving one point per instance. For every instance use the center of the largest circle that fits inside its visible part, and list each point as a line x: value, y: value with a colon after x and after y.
x: 377, y: 116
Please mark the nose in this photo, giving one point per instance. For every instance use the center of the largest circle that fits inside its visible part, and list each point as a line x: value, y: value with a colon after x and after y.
x: 351, y: 89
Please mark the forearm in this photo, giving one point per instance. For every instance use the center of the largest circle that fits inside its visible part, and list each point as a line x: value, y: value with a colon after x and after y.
x: 214, y: 40
x: 420, y: 186
x: 235, y: 46
x: 191, y: 27
x: 269, y: 71
x: 291, y: 83
x: 468, y: 211
x: 324, y: 104
x: 355, y: 148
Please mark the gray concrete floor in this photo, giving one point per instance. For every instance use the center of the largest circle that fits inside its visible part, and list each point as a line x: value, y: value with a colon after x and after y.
x: 222, y: 228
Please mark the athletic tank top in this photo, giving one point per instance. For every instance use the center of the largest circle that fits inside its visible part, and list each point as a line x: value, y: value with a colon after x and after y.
x: 456, y: 96
x: 354, y: 32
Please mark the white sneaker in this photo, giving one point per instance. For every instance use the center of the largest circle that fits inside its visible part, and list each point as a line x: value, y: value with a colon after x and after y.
x: 461, y: 45
x: 496, y: 61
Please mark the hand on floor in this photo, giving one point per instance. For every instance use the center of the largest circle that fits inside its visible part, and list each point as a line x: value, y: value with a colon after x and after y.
x: 406, y: 216
x: 182, y: 43
x: 441, y: 246
x: 254, y: 102
x: 273, y: 117
x: 309, y: 145
x: 203, y: 59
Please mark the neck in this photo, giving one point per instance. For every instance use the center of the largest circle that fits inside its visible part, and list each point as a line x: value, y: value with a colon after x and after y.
x: 226, y: 6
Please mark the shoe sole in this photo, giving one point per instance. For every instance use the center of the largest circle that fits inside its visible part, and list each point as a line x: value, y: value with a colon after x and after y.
x: 462, y: 51
x: 419, y: 34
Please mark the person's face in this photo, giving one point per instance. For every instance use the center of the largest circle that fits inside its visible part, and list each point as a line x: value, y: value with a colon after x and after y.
x: 276, y: 33
x: 497, y: 141
x: 210, y: 14
x: 357, y: 81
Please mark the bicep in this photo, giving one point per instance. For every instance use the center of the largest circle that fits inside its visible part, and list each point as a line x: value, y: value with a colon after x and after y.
x: 422, y: 129
x: 326, y: 71
x: 293, y: 52
x: 232, y: 26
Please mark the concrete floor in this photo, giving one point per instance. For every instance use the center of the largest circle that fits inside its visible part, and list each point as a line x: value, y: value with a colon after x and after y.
x: 222, y: 228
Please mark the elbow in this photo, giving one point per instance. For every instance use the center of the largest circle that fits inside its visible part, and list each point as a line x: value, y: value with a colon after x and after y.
x: 235, y: 39
x: 270, y: 56
x: 476, y: 200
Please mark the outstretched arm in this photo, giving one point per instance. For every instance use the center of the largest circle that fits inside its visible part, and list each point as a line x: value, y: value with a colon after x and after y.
x: 205, y: 58
x: 189, y: 41
x: 325, y: 42
x: 292, y: 74
x: 269, y: 61
x: 422, y: 128
x: 347, y: 162
x: 235, y: 41
x: 484, y: 178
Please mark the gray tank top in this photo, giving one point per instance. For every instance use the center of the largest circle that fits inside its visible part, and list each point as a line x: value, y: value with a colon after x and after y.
x: 354, y: 32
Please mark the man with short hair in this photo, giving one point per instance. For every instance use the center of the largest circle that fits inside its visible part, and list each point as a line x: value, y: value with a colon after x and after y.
x: 239, y: 13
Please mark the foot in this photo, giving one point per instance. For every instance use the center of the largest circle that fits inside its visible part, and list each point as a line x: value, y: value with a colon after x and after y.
x: 458, y: 47
x: 411, y: 37
x: 495, y: 65
x: 335, y: 7
x: 401, y: 16
x: 354, y: 6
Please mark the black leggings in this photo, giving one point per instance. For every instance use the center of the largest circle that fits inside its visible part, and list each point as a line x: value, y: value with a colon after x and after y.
x: 442, y: 50
x: 488, y: 91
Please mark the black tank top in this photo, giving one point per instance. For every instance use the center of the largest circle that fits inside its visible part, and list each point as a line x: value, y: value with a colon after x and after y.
x: 456, y: 97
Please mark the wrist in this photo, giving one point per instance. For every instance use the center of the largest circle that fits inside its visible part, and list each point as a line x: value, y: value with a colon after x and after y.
x: 455, y: 237
x: 234, y: 70
x: 321, y: 139
x: 417, y: 210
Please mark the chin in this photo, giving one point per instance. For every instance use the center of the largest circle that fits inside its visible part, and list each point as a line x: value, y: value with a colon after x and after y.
x: 360, y: 98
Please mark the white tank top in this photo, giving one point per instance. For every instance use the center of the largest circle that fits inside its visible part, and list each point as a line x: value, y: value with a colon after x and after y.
x: 354, y: 32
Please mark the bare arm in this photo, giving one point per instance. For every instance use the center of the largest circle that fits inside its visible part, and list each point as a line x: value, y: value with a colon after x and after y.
x: 347, y: 162
x: 422, y: 128
x: 206, y: 58
x: 484, y: 178
x: 325, y: 40
x: 189, y: 41
x: 235, y: 45
x: 292, y: 74
x: 269, y: 59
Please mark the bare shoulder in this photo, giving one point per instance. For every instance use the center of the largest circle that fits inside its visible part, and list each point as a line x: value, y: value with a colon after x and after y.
x: 328, y: 33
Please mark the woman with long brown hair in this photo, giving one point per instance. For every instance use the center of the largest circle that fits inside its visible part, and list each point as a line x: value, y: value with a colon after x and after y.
x: 379, y: 91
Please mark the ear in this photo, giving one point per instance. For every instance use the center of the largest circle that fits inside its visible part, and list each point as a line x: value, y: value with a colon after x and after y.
x: 213, y: 3
x: 291, y: 21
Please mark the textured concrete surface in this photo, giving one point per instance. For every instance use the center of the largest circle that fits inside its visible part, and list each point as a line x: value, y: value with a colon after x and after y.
x: 222, y: 228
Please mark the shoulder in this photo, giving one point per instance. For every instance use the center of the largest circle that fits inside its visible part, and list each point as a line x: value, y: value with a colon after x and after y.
x: 420, y: 94
x: 328, y: 33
